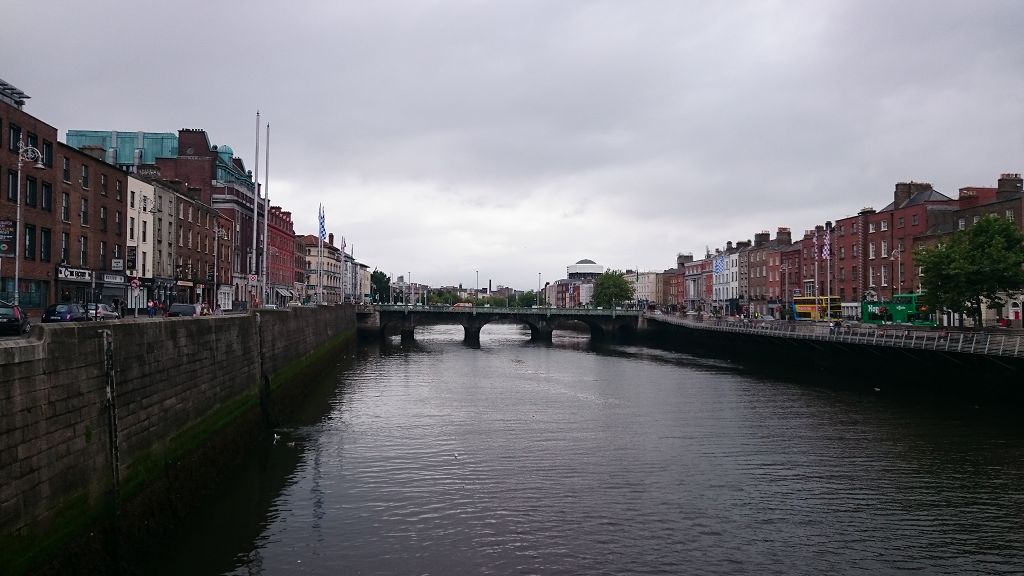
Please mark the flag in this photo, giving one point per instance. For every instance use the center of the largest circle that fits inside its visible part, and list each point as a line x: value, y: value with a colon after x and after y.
x: 719, y: 264
x: 323, y: 226
x: 815, y: 245
x: 826, y: 250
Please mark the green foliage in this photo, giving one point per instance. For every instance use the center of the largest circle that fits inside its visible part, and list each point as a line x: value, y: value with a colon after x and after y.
x: 981, y: 264
x: 611, y: 289
x: 380, y: 286
x: 526, y: 299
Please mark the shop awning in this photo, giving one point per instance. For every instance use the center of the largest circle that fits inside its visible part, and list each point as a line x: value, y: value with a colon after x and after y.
x: 284, y: 292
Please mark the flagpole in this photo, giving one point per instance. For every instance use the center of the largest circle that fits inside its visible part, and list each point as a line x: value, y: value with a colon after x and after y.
x: 255, y: 203
x: 266, y: 216
x: 320, y: 257
x: 828, y: 267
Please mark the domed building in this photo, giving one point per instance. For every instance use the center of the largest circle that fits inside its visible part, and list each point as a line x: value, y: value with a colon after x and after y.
x: 584, y: 270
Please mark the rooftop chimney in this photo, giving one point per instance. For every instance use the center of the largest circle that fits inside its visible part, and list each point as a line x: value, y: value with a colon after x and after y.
x: 330, y: 238
x: 906, y: 190
x: 762, y: 238
x: 783, y: 236
x: 1010, y: 183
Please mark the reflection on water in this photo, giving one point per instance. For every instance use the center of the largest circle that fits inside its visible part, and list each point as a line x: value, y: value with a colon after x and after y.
x: 433, y: 457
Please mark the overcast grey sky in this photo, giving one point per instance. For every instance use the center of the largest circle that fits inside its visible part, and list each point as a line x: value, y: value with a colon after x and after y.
x: 518, y: 137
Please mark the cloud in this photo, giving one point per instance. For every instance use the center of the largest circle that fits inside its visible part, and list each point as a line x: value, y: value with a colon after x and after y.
x: 447, y: 137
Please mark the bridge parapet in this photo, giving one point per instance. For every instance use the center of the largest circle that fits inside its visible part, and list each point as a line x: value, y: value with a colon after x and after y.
x: 893, y: 336
x: 501, y: 310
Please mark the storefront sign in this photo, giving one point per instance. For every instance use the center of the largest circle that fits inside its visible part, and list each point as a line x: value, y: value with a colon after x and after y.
x: 113, y: 278
x: 184, y: 283
x: 117, y: 264
x: 77, y: 274
x: 8, y: 247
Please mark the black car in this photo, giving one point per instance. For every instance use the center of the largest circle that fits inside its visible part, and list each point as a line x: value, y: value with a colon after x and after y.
x: 13, y: 319
x: 182, y: 310
x: 65, y: 313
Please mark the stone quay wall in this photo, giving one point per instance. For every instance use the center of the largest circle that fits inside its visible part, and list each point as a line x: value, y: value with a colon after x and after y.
x: 89, y: 410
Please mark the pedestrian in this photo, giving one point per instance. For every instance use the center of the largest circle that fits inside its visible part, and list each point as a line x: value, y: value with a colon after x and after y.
x: 151, y: 308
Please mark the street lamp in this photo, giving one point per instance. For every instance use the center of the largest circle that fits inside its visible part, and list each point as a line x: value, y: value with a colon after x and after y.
x: 785, y: 291
x: 538, y: 289
x: 898, y: 254
x: 217, y: 235
x: 476, y: 290
x: 31, y: 154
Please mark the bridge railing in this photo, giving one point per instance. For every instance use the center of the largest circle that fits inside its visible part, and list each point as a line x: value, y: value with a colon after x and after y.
x: 539, y: 311
x: 1008, y: 344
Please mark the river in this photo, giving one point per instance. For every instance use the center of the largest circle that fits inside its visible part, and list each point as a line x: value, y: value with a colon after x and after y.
x: 514, y: 457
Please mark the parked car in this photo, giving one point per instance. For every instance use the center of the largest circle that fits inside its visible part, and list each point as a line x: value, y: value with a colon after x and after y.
x: 102, y: 312
x: 183, y: 310
x: 65, y: 313
x: 13, y: 319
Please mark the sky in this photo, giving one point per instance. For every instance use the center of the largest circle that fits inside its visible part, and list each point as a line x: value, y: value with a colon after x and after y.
x: 506, y: 140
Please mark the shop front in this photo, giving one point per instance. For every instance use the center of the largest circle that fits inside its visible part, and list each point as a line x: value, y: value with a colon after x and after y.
x: 75, y: 285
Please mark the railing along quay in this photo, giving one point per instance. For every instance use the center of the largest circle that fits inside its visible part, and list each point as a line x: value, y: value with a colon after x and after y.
x: 1009, y: 344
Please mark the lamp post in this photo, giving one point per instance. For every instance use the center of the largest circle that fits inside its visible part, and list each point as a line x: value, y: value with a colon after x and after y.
x: 898, y: 254
x: 31, y: 154
x: 785, y: 291
x: 538, y: 289
x: 217, y: 235
x: 476, y: 290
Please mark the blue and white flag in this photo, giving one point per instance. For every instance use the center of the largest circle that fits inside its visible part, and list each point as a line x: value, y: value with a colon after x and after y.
x: 719, y: 264
x: 826, y: 250
x: 323, y: 226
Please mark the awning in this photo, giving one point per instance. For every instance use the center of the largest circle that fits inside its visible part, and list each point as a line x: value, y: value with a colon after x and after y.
x: 283, y: 292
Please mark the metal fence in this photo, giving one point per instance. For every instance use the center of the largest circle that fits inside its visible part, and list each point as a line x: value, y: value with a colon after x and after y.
x: 974, y: 342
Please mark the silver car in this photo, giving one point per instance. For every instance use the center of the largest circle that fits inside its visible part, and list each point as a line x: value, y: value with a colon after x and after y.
x: 101, y: 312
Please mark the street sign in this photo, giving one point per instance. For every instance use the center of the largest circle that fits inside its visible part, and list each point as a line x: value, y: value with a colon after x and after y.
x: 135, y: 283
x: 796, y: 292
x: 252, y: 278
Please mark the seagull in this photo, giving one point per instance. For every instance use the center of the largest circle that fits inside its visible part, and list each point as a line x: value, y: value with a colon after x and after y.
x: 878, y: 389
x: 456, y: 455
x: 276, y: 437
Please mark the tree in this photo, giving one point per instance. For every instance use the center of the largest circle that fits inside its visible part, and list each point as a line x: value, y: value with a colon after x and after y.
x: 611, y: 289
x: 526, y: 299
x: 380, y: 286
x: 982, y: 264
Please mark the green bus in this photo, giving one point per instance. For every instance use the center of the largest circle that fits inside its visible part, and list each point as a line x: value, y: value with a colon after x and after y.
x: 902, y: 309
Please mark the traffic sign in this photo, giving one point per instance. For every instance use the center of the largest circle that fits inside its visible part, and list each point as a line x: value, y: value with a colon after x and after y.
x: 135, y: 283
x: 252, y: 278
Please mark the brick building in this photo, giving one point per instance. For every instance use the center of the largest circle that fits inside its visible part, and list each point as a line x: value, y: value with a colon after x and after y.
x: 72, y: 237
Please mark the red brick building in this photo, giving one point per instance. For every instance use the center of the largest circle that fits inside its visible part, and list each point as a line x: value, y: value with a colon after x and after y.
x: 72, y: 215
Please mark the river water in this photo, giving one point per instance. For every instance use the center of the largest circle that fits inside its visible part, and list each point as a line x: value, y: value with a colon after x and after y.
x: 514, y: 457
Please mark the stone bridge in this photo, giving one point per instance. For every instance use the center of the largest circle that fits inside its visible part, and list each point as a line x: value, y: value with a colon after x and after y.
x: 392, y: 319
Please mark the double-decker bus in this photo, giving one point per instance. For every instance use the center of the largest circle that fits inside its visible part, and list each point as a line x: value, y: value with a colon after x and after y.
x: 902, y: 309
x: 817, y: 308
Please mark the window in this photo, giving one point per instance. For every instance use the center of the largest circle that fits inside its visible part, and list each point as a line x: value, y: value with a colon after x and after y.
x: 117, y: 251
x: 913, y: 219
x: 885, y: 248
x: 44, y: 244
x: 871, y: 277
x: 131, y: 198
x: 31, y: 192
x: 871, y: 250
x: 65, y: 207
x: 85, y: 178
x: 899, y: 222
x: 976, y: 219
x: 1009, y: 215
x: 117, y: 189
x: 48, y: 154
x: 83, y: 256
x: 842, y: 251
x: 884, y: 224
x: 85, y: 211
x: 131, y: 228
x: 871, y: 227
x: 190, y: 213
x: 881, y: 274
x: 67, y: 169
x: 180, y: 237
x: 103, y: 217
x: 103, y: 184
x: 47, y: 197
x: 12, y: 185
x: 65, y: 239
x: 13, y: 136
x: 961, y: 224
x: 117, y: 221
x: 30, y: 242
x: 144, y: 231
x: 103, y: 254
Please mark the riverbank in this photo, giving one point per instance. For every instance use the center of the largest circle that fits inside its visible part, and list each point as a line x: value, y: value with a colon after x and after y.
x: 106, y: 429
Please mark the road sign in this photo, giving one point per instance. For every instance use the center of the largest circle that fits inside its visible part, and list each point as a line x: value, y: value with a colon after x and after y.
x: 135, y: 283
x: 252, y: 278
